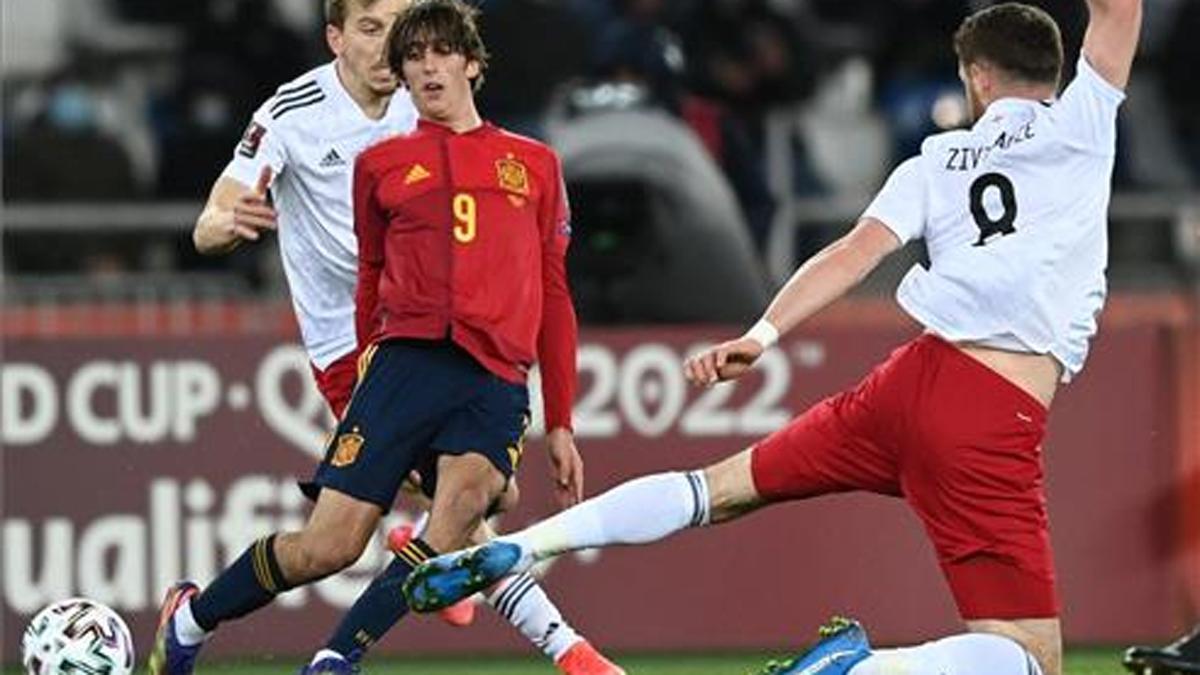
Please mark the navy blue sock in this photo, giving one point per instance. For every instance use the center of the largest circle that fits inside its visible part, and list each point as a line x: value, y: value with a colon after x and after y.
x: 252, y: 581
x: 380, y: 606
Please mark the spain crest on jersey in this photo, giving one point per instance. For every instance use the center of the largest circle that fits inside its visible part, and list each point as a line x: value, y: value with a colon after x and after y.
x: 346, y: 451
x: 512, y: 175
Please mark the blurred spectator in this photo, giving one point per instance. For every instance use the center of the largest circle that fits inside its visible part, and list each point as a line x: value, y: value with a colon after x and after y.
x: 523, y: 73
x: 748, y: 54
x: 63, y: 153
x: 914, y: 63
x: 746, y: 58
x: 635, y: 48
x: 161, y: 13
x: 910, y: 49
x: 907, y: 39
x: 233, y: 47
x: 1180, y: 55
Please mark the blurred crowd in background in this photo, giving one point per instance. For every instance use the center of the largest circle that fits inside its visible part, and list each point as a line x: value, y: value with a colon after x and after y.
x: 132, y: 100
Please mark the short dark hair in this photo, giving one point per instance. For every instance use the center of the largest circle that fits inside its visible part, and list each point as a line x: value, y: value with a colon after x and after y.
x: 452, y: 21
x: 335, y: 10
x: 1020, y: 39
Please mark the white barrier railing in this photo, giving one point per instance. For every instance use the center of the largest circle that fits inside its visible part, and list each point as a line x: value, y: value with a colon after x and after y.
x: 98, y: 218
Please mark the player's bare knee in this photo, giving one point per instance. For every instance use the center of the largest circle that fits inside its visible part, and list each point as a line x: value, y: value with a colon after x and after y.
x: 304, y: 558
x: 1047, y: 655
x: 456, y: 512
x: 326, y: 551
x: 332, y: 555
x: 731, y: 490
x: 467, y: 503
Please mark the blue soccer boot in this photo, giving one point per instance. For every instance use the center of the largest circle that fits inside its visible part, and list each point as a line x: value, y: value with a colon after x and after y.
x: 446, y: 579
x: 843, y: 643
x: 168, y: 657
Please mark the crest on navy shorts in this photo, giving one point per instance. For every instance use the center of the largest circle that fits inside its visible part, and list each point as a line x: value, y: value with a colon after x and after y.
x: 512, y: 175
x: 251, y: 140
x: 346, y: 451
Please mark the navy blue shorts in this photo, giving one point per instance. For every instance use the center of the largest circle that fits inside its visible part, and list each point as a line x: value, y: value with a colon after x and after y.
x: 416, y: 400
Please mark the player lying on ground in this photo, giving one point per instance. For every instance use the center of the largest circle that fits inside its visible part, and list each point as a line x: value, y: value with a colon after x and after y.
x: 1013, y: 211
x: 302, y: 145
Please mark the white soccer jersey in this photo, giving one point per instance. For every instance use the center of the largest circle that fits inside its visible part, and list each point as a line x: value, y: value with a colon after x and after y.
x: 310, y: 133
x: 1014, y: 215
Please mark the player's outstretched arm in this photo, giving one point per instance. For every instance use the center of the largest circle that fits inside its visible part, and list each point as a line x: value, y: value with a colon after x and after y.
x: 1112, y: 38
x: 820, y: 280
x: 234, y: 213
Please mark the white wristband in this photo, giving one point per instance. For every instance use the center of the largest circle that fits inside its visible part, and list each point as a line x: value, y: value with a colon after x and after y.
x: 764, y: 333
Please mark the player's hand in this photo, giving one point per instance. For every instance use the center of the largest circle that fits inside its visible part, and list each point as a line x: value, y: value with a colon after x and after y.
x: 726, y: 361
x: 253, y: 212
x: 566, y: 467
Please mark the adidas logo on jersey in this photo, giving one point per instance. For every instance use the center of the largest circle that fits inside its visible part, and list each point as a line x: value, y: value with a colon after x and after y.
x: 332, y: 158
x: 416, y: 174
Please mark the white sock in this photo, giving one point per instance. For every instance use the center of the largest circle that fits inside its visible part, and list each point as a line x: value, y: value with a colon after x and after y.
x: 325, y: 654
x: 637, y: 512
x: 187, y: 631
x: 966, y: 654
x: 521, y: 601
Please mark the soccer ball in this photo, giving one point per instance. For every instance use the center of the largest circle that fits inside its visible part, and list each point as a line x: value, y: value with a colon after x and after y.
x: 77, y: 637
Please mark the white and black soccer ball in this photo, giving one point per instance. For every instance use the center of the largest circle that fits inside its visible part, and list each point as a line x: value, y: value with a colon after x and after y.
x: 77, y: 637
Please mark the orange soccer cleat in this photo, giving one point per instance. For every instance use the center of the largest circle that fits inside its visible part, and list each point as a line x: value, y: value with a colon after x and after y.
x: 461, y: 613
x: 583, y: 659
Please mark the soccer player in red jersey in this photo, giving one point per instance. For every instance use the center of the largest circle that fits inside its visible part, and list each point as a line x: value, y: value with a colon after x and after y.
x: 462, y: 230
x: 1013, y: 211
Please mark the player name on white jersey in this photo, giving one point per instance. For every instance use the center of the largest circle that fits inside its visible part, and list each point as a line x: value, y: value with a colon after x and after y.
x: 310, y: 133
x: 969, y: 158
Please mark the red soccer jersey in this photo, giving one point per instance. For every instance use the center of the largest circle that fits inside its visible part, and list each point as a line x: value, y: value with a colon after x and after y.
x: 464, y: 236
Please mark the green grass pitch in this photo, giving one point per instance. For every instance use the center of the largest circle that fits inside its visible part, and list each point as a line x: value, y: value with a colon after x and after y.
x: 1079, y: 662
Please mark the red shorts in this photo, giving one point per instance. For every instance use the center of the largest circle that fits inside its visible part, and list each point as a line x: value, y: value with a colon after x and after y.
x: 961, y: 444
x: 336, y: 382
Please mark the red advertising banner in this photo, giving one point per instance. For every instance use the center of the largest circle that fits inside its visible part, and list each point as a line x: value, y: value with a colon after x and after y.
x: 130, y: 462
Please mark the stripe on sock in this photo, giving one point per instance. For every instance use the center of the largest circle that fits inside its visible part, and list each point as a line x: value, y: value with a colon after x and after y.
x: 511, y: 597
x: 518, y: 594
x: 364, y: 640
x: 275, y: 572
x: 416, y: 552
x: 425, y: 549
x: 262, y: 568
x: 410, y: 555
x: 503, y: 603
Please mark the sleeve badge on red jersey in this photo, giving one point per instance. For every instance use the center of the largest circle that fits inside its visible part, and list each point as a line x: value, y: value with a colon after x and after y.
x: 251, y: 140
x: 512, y: 175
